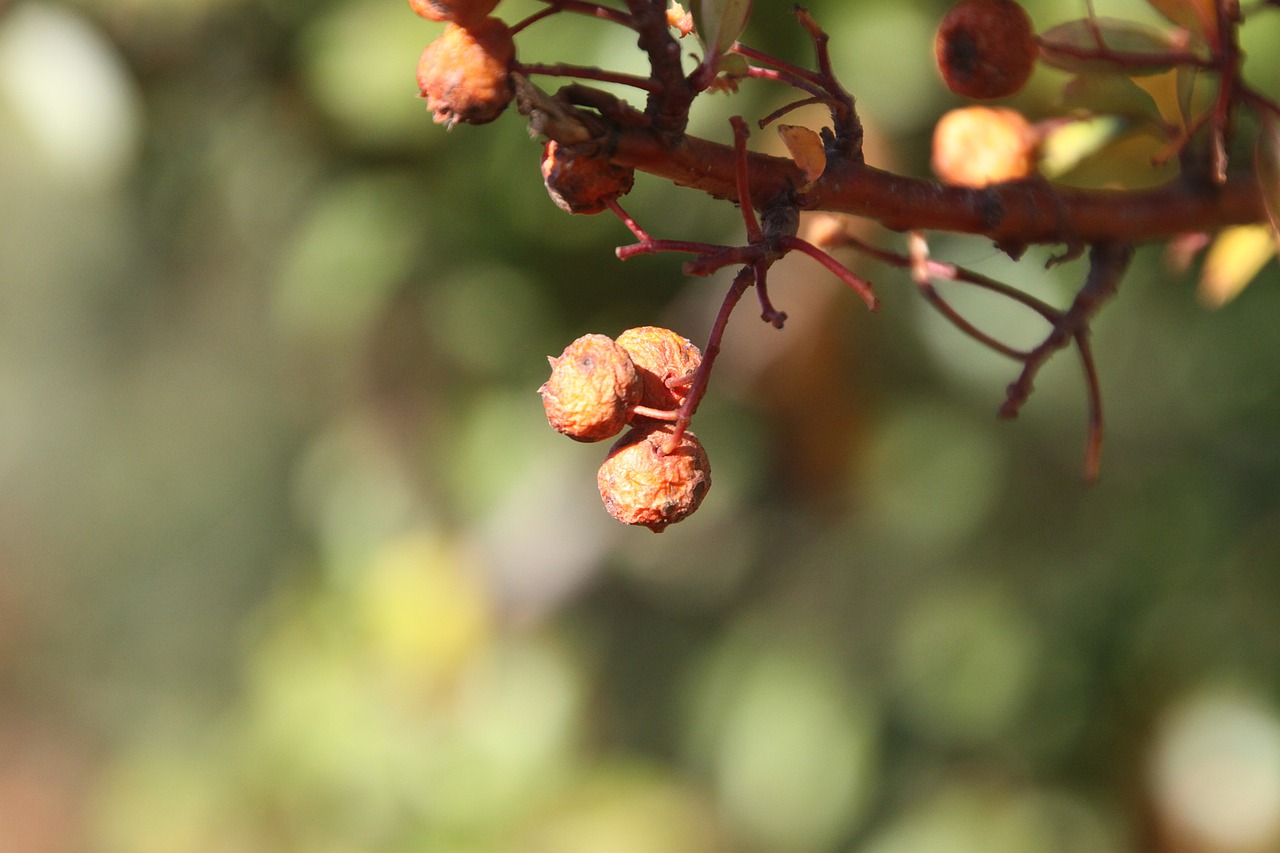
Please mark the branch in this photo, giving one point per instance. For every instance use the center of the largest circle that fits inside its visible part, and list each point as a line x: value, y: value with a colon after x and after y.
x: 1013, y: 214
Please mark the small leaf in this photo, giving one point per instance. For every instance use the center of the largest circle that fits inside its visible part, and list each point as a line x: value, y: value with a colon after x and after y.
x: 720, y: 22
x: 1068, y: 144
x: 806, y: 150
x: 1126, y: 47
x: 1195, y: 16
x: 730, y: 68
x: 1236, y: 256
x: 1267, y: 167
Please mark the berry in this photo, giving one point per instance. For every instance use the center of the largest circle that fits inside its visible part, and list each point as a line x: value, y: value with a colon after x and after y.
x: 978, y: 146
x: 580, y: 184
x: 986, y: 48
x: 592, y: 388
x: 464, y: 74
x: 640, y: 484
x: 665, y: 362
x: 455, y: 11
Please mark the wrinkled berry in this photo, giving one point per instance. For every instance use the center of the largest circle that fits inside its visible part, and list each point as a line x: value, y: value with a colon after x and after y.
x: 665, y: 362
x: 592, y: 388
x: 640, y: 484
x: 456, y: 11
x: 986, y: 48
x: 464, y: 74
x: 978, y: 146
x: 580, y: 184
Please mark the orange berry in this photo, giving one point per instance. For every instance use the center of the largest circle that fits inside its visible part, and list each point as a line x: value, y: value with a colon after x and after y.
x: 464, y: 74
x: 456, y: 11
x: 986, y: 48
x: 640, y: 484
x: 664, y: 361
x: 592, y: 388
x: 978, y: 146
x: 582, y: 184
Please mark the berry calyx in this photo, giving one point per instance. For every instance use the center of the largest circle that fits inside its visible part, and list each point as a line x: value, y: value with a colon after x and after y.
x: 986, y: 48
x: 592, y: 388
x: 643, y: 485
x: 465, y: 73
x: 979, y: 146
x: 455, y: 11
x: 579, y: 184
x: 665, y: 361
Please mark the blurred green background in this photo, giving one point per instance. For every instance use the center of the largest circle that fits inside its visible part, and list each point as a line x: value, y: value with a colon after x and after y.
x: 290, y: 560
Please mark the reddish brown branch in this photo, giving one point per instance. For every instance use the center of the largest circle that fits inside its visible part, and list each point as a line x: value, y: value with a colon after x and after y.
x: 1016, y: 213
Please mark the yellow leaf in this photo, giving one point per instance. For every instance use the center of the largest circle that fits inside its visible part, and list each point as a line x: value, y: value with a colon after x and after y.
x: 807, y: 151
x: 1233, y: 260
x: 1197, y: 16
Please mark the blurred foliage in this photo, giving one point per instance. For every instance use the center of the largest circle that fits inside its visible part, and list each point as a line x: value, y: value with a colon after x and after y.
x: 289, y: 560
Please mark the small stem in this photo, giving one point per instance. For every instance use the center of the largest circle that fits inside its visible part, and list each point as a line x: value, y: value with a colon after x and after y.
x: 918, y: 259
x: 701, y: 376
x: 1093, y: 442
x: 652, y: 247
x: 951, y: 272
x: 740, y: 134
x: 631, y: 224
x: 586, y: 72
x: 1107, y: 263
x: 780, y: 64
x: 655, y: 414
x: 781, y: 111
x: 860, y: 285
x: 768, y: 313
x: 580, y: 7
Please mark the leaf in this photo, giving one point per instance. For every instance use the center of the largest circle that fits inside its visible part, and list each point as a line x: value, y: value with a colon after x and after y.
x: 1068, y: 144
x: 1111, y: 94
x: 1196, y: 16
x: 807, y: 150
x: 1267, y: 168
x: 720, y: 22
x: 1127, y: 47
x: 1236, y: 256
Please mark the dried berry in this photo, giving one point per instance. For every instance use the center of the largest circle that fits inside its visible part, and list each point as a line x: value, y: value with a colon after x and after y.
x: 977, y: 146
x: 986, y: 48
x: 592, y: 388
x: 456, y: 11
x: 640, y: 484
x: 465, y: 73
x: 579, y: 184
x: 665, y: 362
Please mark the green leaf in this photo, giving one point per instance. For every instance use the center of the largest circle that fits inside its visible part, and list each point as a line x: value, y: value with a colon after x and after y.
x: 1106, y: 45
x: 1267, y: 167
x: 1111, y: 94
x: 720, y: 22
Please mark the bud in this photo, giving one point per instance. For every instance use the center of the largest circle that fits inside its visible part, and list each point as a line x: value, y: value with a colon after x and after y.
x: 665, y: 362
x: 986, y: 48
x: 640, y: 484
x: 464, y: 74
x: 592, y: 388
x: 978, y: 146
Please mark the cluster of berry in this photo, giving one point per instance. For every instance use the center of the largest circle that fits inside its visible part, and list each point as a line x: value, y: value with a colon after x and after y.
x: 655, y: 474
x: 465, y: 74
x: 985, y: 49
